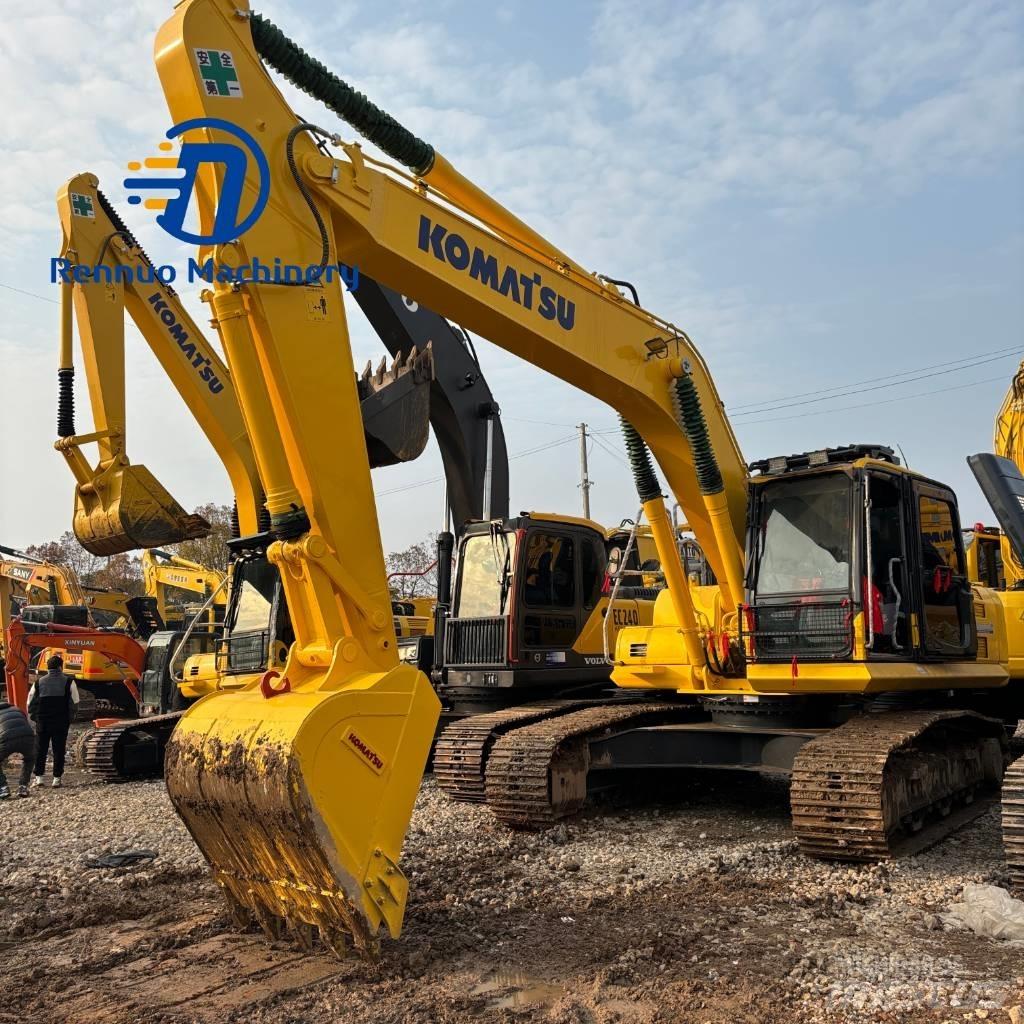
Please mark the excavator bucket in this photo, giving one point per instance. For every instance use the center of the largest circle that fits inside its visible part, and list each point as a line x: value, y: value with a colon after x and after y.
x: 395, y: 405
x: 133, y: 510
x: 300, y: 800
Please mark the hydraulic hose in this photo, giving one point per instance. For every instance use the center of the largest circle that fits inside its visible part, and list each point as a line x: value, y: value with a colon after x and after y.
x: 647, y: 486
x: 309, y: 75
x: 690, y: 416
x: 66, y: 370
x: 66, y: 402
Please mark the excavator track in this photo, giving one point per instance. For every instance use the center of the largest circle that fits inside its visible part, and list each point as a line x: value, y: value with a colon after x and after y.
x: 1013, y: 823
x: 461, y: 751
x: 537, y: 774
x: 129, y: 750
x: 893, y: 784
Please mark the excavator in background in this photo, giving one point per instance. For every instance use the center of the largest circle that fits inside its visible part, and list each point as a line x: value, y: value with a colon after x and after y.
x: 839, y: 645
x: 120, y: 506
x: 995, y: 559
x: 42, y: 592
x: 164, y: 572
x: 114, y: 651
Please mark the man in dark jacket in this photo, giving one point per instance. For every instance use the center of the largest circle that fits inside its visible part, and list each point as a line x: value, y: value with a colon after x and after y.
x: 51, y: 704
x: 16, y: 737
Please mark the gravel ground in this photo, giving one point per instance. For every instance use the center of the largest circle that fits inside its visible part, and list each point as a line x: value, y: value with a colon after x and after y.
x: 695, y: 909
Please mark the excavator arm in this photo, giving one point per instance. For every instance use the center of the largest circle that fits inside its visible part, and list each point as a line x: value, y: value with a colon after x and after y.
x: 120, y: 506
x: 463, y: 413
x: 328, y: 754
x: 478, y: 265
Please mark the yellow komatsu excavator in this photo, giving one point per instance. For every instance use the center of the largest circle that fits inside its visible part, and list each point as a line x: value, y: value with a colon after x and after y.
x: 841, y: 580
x: 120, y: 506
x: 164, y: 572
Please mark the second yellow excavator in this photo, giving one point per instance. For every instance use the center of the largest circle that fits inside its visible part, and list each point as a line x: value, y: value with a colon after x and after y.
x: 842, y: 643
x: 164, y: 572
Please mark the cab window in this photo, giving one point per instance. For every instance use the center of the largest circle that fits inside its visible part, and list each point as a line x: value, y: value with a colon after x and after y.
x: 550, y: 571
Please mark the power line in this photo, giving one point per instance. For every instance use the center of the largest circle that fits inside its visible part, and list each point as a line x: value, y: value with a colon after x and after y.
x: 547, y: 446
x: 34, y: 295
x: 609, y: 450
x: 767, y: 405
x: 882, y: 401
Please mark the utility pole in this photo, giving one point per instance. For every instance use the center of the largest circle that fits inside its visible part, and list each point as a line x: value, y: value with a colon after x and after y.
x: 585, y: 481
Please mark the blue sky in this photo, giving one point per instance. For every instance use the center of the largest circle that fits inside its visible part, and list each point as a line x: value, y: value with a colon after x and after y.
x: 819, y: 193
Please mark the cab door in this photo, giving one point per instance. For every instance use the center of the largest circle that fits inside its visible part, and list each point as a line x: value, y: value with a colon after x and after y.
x: 945, y: 617
x: 549, y: 612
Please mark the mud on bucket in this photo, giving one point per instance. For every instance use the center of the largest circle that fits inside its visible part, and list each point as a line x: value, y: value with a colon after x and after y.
x: 300, y: 800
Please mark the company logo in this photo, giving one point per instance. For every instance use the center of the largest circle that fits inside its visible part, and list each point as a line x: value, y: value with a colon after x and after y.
x: 366, y: 752
x: 18, y: 573
x: 201, y: 363
x: 232, y: 157
x: 526, y: 290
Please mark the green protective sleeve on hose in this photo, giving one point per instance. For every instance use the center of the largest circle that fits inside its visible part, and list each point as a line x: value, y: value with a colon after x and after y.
x: 647, y: 487
x: 691, y: 418
x: 309, y: 75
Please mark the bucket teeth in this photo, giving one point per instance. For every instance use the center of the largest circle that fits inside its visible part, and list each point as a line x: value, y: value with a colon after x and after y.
x: 419, y: 363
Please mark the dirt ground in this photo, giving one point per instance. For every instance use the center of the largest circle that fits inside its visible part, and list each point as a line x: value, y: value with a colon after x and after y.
x: 694, y: 908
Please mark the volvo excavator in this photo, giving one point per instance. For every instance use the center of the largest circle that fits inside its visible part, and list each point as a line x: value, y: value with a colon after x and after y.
x: 840, y: 643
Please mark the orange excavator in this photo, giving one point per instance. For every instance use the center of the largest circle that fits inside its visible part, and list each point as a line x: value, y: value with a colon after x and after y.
x: 117, y: 650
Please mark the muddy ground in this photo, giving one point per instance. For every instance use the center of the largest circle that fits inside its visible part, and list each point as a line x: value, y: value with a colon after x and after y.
x: 694, y: 907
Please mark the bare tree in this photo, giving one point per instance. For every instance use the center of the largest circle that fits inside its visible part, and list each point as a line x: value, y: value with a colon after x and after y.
x: 69, y: 554
x: 419, y: 574
x: 210, y: 551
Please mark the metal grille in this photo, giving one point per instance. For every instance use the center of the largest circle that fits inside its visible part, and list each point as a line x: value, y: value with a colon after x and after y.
x: 245, y: 653
x: 473, y: 642
x: 805, y: 629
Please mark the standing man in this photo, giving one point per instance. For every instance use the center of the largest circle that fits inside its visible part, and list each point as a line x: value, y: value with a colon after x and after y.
x: 51, y: 704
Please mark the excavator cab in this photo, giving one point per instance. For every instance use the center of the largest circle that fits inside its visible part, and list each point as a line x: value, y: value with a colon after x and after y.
x: 983, y: 546
x: 528, y: 608
x: 257, y: 627
x: 158, y: 689
x: 852, y: 557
